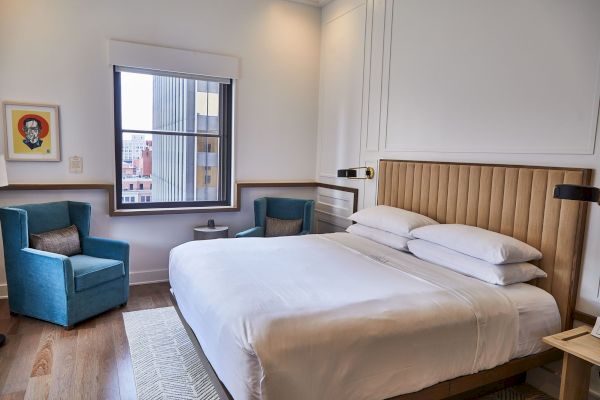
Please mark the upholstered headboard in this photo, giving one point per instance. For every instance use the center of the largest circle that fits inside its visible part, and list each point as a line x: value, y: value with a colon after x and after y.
x: 513, y: 200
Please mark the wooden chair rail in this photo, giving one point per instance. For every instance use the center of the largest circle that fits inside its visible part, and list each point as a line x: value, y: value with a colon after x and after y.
x: 110, y: 189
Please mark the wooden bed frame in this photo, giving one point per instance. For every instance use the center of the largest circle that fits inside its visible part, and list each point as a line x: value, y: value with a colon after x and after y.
x: 511, y: 199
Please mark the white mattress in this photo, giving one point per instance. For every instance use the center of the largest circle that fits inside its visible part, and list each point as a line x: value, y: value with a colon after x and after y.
x: 341, y: 317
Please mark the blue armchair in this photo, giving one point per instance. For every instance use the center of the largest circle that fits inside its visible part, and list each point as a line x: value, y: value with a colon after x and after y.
x: 280, y: 208
x: 55, y: 288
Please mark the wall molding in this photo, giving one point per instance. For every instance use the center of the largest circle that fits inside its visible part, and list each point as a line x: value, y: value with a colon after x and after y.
x: 339, y: 9
x: 384, y: 104
x: 147, y: 277
x: 239, y: 186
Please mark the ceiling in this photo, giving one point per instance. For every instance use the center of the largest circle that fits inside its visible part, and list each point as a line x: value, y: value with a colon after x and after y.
x: 316, y: 3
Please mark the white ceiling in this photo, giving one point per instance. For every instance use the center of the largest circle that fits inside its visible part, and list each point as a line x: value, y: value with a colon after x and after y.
x: 316, y: 3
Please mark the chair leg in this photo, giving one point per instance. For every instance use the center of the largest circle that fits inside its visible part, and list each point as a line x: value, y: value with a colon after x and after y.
x: 13, y: 314
x: 69, y: 327
x: 123, y: 305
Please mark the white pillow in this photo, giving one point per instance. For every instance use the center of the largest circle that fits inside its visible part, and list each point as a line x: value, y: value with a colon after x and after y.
x: 505, y: 274
x: 379, y: 236
x: 391, y: 219
x: 479, y: 243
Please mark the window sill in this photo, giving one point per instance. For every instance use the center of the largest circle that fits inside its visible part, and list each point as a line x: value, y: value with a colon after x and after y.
x: 182, y: 210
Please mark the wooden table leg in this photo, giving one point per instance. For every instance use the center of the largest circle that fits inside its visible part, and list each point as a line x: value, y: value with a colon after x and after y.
x: 575, y: 381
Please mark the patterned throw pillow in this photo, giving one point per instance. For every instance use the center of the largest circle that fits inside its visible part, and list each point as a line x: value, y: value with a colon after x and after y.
x: 282, y: 227
x: 61, y: 241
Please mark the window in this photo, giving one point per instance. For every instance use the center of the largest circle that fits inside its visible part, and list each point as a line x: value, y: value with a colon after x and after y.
x: 172, y: 138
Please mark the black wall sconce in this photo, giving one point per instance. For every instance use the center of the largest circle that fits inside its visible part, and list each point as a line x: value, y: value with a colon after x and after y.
x: 577, y: 192
x: 351, y: 173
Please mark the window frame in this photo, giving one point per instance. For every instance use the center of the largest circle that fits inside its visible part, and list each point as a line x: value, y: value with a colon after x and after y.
x: 225, y: 145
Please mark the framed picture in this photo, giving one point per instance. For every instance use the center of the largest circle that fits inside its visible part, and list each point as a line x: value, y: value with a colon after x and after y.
x: 31, y: 132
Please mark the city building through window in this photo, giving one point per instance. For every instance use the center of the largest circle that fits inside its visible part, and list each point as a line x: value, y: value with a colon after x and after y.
x: 172, y: 139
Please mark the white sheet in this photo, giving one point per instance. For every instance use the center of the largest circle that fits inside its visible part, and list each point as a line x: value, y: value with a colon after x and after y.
x: 341, y: 317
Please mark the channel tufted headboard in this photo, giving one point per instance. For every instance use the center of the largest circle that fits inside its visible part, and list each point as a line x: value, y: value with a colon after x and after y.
x: 513, y: 200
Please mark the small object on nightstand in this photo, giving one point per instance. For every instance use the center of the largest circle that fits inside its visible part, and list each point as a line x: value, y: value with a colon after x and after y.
x: 596, y: 330
x: 206, y: 232
x: 211, y: 223
x: 581, y: 350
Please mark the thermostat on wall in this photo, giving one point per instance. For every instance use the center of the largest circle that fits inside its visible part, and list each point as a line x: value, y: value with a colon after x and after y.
x: 75, y: 165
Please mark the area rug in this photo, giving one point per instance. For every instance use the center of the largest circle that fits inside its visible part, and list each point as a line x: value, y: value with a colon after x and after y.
x: 165, y: 363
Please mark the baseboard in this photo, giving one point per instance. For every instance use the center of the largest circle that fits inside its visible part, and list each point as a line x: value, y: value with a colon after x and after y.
x: 135, y: 278
x: 144, y: 277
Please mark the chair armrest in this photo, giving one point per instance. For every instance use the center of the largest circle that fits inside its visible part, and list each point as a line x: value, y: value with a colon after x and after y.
x: 257, y: 231
x: 45, y: 266
x: 107, y: 248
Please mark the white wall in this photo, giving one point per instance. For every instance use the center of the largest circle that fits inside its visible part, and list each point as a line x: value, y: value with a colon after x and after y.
x: 340, y: 108
x: 56, y: 52
x: 514, y: 82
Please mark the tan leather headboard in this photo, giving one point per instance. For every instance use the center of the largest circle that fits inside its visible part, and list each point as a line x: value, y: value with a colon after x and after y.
x: 513, y: 200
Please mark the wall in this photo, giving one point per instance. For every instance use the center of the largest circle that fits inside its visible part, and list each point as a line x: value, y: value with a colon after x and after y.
x: 506, y: 82
x: 340, y: 108
x: 56, y: 52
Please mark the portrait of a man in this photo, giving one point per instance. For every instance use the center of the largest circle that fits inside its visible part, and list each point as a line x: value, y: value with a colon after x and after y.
x: 31, y: 132
x: 32, y: 127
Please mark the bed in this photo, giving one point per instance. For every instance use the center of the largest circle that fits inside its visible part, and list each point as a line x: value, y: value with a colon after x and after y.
x: 339, y: 316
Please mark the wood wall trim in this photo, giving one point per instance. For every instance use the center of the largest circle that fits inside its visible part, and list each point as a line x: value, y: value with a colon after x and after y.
x: 110, y: 188
x: 584, y: 317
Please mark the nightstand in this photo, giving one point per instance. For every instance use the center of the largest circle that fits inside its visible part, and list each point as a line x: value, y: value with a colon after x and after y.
x: 205, y: 233
x: 581, y: 351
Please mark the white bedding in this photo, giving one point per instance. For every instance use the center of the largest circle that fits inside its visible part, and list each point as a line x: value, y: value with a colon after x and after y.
x: 341, y: 317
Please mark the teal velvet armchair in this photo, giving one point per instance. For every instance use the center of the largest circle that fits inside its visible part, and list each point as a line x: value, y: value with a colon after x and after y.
x: 280, y: 208
x: 53, y: 287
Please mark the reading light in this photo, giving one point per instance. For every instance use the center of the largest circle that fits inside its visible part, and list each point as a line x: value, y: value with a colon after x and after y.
x: 579, y: 193
x: 351, y: 173
x: 576, y: 192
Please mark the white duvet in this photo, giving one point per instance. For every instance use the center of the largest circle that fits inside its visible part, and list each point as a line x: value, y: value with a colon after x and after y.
x: 336, y: 317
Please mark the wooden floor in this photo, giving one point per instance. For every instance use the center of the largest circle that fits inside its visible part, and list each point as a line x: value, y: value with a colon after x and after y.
x: 41, y: 360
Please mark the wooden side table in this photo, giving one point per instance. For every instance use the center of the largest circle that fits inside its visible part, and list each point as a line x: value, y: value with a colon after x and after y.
x: 206, y: 233
x: 581, y: 351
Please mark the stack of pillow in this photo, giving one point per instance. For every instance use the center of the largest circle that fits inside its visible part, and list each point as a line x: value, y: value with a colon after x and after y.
x: 476, y: 252
x: 388, y: 225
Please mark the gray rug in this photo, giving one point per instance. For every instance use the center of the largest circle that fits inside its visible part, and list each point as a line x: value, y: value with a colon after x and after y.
x: 165, y: 363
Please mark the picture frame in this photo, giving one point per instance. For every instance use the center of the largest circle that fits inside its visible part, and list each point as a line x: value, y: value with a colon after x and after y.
x: 31, y: 131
